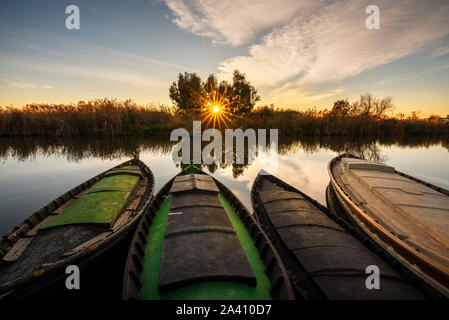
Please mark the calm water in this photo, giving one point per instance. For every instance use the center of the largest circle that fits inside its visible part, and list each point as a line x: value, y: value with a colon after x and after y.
x: 35, y: 171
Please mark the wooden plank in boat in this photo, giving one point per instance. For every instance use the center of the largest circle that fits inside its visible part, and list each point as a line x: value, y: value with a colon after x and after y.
x: 350, y: 163
x: 133, y: 204
x: 205, y: 185
x: 122, y: 220
x: 17, y: 250
x: 193, y: 182
x: 124, y: 171
x: 86, y: 244
x: 18, y: 233
x: 36, y: 228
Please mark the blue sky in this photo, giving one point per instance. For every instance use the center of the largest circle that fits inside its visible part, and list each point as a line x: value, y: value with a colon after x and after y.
x: 298, y: 53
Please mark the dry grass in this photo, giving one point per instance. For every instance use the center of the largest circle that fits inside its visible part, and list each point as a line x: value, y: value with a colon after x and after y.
x: 325, y: 123
x: 101, y: 117
x: 110, y: 117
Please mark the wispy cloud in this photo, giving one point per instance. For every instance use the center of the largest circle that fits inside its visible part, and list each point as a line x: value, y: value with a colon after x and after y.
x: 391, y: 79
x: 442, y: 51
x: 26, y: 85
x: 234, y: 21
x: 122, y: 76
x: 121, y: 55
x: 297, y: 95
x: 92, y: 72
x: 80, y: 52
x: 443, y: 67
x: 332, y: 43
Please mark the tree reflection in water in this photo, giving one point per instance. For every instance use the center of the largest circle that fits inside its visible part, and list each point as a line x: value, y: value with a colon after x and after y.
x: 109, y: 148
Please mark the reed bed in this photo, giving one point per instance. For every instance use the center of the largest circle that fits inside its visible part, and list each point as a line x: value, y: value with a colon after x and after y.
x: 325, y: 123
x: 110, y: 117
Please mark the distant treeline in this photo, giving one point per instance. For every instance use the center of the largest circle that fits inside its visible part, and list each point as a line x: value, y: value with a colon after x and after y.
x: 109, y: 117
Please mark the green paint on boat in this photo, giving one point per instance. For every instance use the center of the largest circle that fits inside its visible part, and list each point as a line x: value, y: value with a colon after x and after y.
x: 210, y: 290
x: 263, y: 283
x: 101, y: 204
x: 192, y: 169
x: 153, y: 252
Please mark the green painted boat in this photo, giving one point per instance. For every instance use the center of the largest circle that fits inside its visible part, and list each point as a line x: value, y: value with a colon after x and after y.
x: 78, y: 228
x: 197, y: 241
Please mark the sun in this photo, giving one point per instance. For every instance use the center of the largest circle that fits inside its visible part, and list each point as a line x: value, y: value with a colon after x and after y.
x: 216, y: 111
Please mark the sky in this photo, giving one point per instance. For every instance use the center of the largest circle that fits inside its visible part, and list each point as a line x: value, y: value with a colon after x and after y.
x: 297, y: 53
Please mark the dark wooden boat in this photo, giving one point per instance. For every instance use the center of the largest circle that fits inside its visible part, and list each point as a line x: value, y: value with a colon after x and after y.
x: 407, y: 217
x: 77, y: 228
x: 198, y: 241
x: 325, y: 257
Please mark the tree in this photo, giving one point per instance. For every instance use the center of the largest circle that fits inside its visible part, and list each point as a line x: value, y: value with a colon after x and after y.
x: 186, y: 92
x: 189, y: 93
x: 341, y: 107
x: 382, y: 106
x: 244, y: 96
x: 369, y: 106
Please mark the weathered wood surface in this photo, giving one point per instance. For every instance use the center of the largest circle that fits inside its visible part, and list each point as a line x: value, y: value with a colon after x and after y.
x: 413, y: 212
x: 86, y: 244
x: 194, y: 182
x: 36, y: 228
x: 17, y: 250
x: 121, y: 220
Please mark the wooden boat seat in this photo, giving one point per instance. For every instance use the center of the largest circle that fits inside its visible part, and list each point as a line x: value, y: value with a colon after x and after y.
x: 351, y: 163
x: 126, y: 170
x: 193, y: 182
x: 213, y: 251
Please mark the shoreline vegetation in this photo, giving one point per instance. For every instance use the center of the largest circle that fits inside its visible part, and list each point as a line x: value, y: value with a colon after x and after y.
x: 217, y: 104
x: 110, y: 117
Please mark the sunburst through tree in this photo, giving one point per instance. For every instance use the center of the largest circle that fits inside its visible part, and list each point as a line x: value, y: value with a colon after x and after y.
x: 216, y: 110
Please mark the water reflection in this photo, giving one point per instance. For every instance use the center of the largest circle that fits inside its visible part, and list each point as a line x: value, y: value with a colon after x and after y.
x: 34, y: 171
x: 109, y: 148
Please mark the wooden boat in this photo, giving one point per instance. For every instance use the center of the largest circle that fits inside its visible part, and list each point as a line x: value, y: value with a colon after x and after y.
x: 198, y: 241
x: 325, y: 257
x: 406, y: 216
x: 77, y: 228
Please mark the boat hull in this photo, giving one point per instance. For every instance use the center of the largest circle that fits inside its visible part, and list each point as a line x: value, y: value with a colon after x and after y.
x: 275, y: 270
x: 429, y: 272
x: 324, y: 254
x: 37, y: 283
